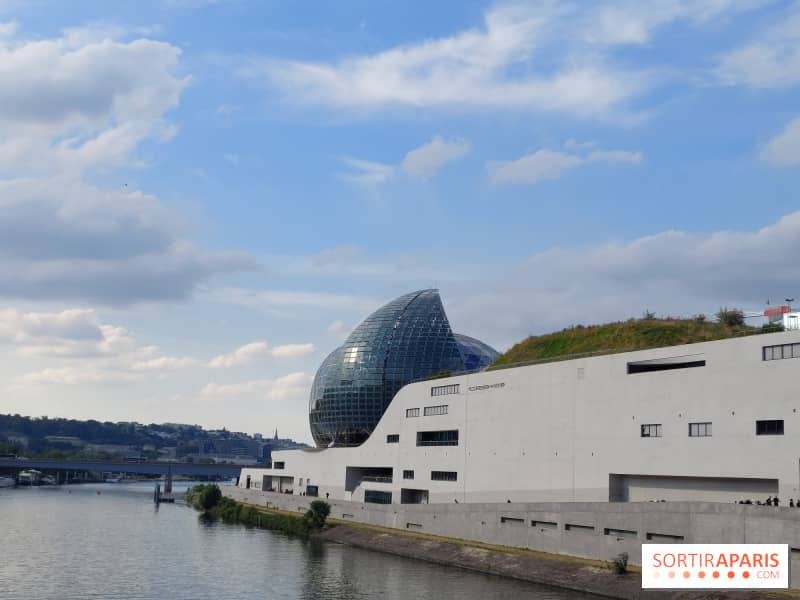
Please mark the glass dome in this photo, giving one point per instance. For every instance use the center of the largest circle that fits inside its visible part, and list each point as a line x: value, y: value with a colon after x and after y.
x: 405, y: 340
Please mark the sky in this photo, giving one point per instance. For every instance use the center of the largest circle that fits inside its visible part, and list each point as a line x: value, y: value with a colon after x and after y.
x: 200, y: 199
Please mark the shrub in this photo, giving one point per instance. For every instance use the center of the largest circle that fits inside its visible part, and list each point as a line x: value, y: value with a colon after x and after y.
x: 731, y: 317
x: 316, y: 514
x: 210, y: 496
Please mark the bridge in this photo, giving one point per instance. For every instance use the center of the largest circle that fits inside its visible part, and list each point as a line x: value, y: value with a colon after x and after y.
x: 111, y: 466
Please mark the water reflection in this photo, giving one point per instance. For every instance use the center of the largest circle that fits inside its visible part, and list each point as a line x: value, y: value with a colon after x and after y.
x: 73, y: 543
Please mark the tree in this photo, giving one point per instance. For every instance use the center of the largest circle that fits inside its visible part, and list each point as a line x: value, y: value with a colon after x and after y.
x: 317, y: 513
x: 731, y: 317
x: 210, y: 496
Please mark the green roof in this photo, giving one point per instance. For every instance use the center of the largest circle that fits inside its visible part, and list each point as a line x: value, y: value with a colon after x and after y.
x: 623, y: 336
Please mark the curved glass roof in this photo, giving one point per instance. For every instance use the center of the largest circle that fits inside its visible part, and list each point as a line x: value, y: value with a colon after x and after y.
x: 407, y: 339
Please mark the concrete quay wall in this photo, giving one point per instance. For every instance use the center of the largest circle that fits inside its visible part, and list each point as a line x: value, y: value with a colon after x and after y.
x: 594, y: 530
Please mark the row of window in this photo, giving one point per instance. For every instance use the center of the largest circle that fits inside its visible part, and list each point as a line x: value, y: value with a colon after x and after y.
x: 435, y: 475
x: 765, y: 427
x: 447, y: 437
x: 443, y: 390
x: 440, y: 409
x: 781, y: 351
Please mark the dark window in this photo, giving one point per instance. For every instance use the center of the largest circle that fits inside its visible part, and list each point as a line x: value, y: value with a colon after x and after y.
x: 700, y: 429
x: 651, y: 430
x: 312, y: 490
x: 412, y: 412
x: 444, y: 476
x: 393, y: 438
x: 665, y: 364
x: 376, y: 497
x: 443, y: 390
x: 435, y: 410
x: 781, y: 352
x: 770, y: 427
x: 438, y: 438
x: 278, y: 464
x: 408, y: 474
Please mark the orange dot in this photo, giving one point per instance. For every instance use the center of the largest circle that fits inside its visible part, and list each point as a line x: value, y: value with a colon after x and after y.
x: 657, y: 574
x: 671, y: 574
x: 731, y: 574
x: 701, y: 574
x: 686, y: 574
x: 715, y: 574
x: 746, y: 574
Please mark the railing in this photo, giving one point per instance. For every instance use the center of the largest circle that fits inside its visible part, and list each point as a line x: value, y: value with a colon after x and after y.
x: 375, y: 479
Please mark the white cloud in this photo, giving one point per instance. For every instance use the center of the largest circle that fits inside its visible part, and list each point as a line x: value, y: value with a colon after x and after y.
x: 61, y: 237
x: 366, y: 173
x: 634, y: 22
x: 109, y: 96
x: 240, y: 356
x: 515, y: 60
x: 8, y: 28
x: 784, y: 149
x: 339, y: 328
x: 67, y: 240
x: 429, y: 158
x: 164, y: 363
x: 250, y: 352
x: 79, y: 348
x: 472, y: 68
x: 548, y: 164
x: 772, y: 60
x: 292, y: 350
x: 673, y: 272
x: 291, y: 385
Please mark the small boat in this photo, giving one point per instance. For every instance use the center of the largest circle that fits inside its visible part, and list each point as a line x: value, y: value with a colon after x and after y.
x: 7, y: 482
x: 114, y: 479
x: 29, y: 477
x: 48, y: 480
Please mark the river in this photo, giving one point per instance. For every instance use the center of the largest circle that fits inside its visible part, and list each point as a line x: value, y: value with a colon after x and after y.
x: 109, y: 541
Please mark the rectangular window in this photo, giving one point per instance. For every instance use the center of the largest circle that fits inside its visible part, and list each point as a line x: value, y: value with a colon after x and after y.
x: 312, y: 490
x: 438, y: 438
x: 278, y: 464
x: 412, y: 412
x: 651, y: 430
x: 781, y: 351
x: 377, y: 497
x: 435, y: 410
x: 393, y: 438
x: 444, y: 476
x: 408, y: 474
x: 443, y: 390
x: 666, y: 364
x: 770, y: 427
x: 700, y: 429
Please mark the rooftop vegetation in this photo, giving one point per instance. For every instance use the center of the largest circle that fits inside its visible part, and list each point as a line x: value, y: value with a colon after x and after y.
x: 634, y: 334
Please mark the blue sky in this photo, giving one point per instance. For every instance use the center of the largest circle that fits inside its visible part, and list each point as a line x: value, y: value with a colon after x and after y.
x: 200, y: 199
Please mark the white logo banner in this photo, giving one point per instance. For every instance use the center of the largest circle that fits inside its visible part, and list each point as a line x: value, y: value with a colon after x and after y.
x: 715, y: 566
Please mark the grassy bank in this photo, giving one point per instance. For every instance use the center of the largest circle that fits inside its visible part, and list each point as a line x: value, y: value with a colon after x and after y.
x: 635, y: 334
x: 209, y: 500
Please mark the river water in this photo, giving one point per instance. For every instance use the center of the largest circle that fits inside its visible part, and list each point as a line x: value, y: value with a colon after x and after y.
x: 109, y: 541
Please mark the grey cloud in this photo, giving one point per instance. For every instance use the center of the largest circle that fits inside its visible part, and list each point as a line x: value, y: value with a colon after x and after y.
x: 670, y: 273
x: 68, y: 240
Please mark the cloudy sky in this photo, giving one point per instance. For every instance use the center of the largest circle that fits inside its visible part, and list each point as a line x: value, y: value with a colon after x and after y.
x: 199, y: 199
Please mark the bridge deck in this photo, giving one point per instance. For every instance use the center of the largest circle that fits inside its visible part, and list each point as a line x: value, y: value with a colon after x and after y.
x: 142, y: 468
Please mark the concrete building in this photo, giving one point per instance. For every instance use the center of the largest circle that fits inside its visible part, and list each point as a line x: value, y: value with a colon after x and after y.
x: 714, y: 421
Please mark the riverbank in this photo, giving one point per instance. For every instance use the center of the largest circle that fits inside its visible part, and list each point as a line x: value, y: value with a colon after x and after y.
x: 558, y: 571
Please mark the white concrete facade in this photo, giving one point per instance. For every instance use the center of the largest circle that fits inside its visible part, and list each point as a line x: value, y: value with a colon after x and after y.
x: 572, y: 431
